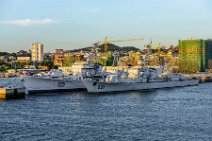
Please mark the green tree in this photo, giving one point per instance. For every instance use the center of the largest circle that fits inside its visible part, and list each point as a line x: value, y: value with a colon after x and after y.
x: 48, y: 63
x: 4, y: 67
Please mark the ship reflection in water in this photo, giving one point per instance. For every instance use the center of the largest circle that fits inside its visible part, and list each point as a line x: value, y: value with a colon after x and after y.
x: 166, y: 114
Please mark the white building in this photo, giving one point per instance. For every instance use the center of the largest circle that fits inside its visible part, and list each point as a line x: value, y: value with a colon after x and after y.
x: 37, y: 52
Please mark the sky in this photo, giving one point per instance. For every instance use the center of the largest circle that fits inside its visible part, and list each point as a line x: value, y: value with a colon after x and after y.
x: 71, y: 24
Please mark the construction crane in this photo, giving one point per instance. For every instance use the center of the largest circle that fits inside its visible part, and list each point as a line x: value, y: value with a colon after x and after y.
x: 106, y: 41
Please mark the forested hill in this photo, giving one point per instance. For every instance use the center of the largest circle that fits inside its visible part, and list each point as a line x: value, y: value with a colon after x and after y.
x: 3, y: 53
x: 111, y: 47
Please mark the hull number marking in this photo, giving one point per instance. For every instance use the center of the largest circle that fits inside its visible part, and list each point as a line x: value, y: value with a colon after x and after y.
x: 101, y: 86
x: 61, y: 84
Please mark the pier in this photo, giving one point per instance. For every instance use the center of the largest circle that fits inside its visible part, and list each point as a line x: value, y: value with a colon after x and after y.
x: 11, y: 93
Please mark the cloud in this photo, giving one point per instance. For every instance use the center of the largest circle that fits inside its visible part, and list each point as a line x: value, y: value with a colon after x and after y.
x: 29, y: 22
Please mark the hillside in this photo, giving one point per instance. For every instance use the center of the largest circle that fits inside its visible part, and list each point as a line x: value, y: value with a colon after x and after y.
x: 111, y: 47
x: 3, y: 53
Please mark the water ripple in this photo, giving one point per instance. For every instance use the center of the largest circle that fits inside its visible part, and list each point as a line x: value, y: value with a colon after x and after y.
x: 168, y: 114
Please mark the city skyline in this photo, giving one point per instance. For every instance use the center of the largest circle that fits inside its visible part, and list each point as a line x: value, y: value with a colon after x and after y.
x: 77, y: 24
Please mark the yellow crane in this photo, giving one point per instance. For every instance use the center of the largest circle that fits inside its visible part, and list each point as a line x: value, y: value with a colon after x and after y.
x: 106, y: 41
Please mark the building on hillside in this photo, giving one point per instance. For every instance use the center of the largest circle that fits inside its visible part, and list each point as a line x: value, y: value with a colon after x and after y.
x: 11, y: 57
x: 23, y: 59
x: 37, y: 52
x: 208, y: 56
x: 48, y: 56
x: 2, y: 58
x: 29, y: 67
x: 194, y: 55
x: 135, y: 58
x: 58, y: 57
x: 43, y: 67
x: 123, y: 61
x: 70, y: 58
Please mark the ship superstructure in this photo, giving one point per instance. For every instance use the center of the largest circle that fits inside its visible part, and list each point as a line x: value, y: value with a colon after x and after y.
x: 57, y: 80
x: 146, y: 79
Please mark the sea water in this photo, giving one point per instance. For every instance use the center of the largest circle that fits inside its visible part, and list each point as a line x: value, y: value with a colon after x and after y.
x: 166, y: 114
